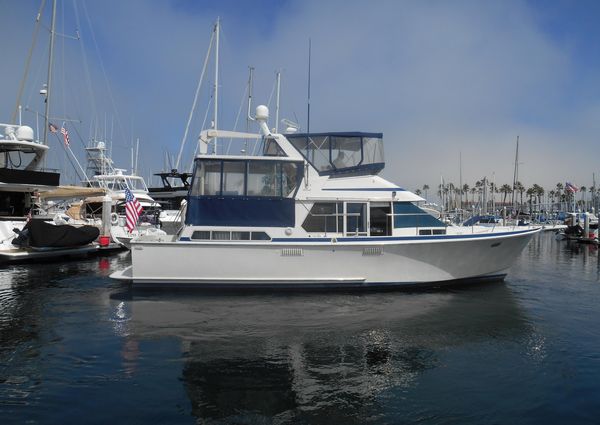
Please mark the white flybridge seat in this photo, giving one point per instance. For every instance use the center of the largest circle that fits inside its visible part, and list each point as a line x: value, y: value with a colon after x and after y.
x: 312, y: 212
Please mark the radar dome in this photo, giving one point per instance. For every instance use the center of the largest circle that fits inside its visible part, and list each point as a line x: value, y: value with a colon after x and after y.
x: 25, y: 133
x: 262, y: 113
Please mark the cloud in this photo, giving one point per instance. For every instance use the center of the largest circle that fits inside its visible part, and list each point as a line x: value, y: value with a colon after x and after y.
x: 437, y: 78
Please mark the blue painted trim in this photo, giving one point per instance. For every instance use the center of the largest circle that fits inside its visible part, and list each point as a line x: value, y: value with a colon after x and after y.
x: 336, y: 134
x: 371, y: 189
x: 359, y: 286
x: 185, y: 238
x: 401, y: 238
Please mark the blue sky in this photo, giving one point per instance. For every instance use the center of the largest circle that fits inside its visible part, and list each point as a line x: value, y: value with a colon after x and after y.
x: 438, y: 78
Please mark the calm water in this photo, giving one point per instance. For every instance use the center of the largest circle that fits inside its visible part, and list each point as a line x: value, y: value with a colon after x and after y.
x: 76, y: 347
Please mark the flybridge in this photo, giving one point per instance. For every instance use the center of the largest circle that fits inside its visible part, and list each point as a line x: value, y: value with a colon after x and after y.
x: 341, y: 154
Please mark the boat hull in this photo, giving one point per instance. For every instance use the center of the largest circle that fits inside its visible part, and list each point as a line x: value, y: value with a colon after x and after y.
x: 385, y: 262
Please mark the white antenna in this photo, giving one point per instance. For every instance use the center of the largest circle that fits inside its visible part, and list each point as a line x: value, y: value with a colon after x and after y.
x: 277, y: 102
x: 137, y: 151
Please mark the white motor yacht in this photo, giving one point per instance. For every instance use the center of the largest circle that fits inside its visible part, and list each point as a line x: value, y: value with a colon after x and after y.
x: 312, y: 212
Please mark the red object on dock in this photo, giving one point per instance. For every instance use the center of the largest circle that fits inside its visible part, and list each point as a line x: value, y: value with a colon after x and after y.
x: 104, y: 240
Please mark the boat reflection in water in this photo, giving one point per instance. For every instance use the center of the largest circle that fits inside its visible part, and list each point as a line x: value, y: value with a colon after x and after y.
x: 301, y: 357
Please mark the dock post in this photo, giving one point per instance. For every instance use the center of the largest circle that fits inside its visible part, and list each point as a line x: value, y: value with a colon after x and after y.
x: 106, y: 215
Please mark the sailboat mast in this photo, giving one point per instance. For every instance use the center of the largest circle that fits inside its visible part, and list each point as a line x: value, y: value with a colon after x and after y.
x: 215, y: 126
x: 49, y: 81
x: 515, y: 174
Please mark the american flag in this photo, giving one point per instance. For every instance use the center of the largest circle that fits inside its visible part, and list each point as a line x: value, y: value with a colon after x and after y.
x: 133, y: 209
x: 571, y: 187
x: 65, y: 134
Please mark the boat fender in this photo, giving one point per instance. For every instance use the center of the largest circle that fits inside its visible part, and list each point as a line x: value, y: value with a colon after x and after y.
x: 114, y: 219
x: 334, y: 240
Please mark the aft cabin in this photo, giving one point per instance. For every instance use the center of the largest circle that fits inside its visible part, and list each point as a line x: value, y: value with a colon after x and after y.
x: 373, y: 219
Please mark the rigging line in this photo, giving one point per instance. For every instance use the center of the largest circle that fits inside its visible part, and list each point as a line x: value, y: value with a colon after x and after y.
x: 203, y: 124
x: 237, y: 118
x: 70, y: 160
x: 88, y: 78
x: 28, y: 61
x: 187, y: 127
x: 110, y: 95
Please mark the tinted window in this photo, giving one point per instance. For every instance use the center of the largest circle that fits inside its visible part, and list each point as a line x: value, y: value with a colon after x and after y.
x: 260, y: 236
x: 200, y: 234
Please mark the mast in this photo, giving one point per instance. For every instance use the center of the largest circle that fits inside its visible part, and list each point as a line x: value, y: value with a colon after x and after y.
x: 215, y: 126
x: 460, y: 189
x: 49, y: 81
x: 515, y: 174
x: 28, y: 63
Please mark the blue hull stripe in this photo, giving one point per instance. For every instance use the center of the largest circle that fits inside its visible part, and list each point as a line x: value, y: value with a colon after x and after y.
x: 403, y: 238
x: 363, y: 286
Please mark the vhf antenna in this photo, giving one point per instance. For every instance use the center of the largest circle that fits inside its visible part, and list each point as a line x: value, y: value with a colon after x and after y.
x: 308, y: 112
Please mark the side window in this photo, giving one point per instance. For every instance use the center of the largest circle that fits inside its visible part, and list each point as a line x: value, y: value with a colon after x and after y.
x: 356, y: 220
x: 263, y: 178
x: 201, y: 234
x: 260, y: 236
x: 325, y: 217
x: 234, y: 173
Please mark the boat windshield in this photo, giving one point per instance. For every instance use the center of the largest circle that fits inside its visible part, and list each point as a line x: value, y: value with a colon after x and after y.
x: 341, y: 153
x: 262, y: 178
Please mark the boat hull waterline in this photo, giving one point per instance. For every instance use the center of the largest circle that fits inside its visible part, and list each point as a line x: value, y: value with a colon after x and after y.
x: 327, y: 263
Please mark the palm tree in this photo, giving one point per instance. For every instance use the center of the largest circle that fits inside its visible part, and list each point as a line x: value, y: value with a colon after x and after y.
x: 418, y: 192
x: 520, y: 188
x: 505, y: 190
x: 539, y: 193
x: 530, y: 194
x: 425, y: 189
x: 473, y: 192
x: 465, y: 190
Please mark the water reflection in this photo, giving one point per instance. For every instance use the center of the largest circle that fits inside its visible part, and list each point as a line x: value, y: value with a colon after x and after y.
x: 313, y: 358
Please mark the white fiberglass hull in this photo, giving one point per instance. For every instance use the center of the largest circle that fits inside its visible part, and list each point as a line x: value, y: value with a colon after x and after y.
x: 345, y: 263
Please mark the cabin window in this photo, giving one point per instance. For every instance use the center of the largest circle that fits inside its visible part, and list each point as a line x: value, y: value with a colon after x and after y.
x: 290, y: 180
x: 260, y: 236
x: 345, y: 152
x: 240, y: 236
x: 234, y: 173
x: 425, y: 232
x: 219, y: 235
x: 272, y: 148
x: 208, y: 179
x: 372, y: 150
x: 356, y: 218
x: 327, y: 217
x: 256, y: 178
x: 348, y: 153
x: 264, y: 178
x: 407, y: 214
x: 201, y: 234
x: 438, y: 231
